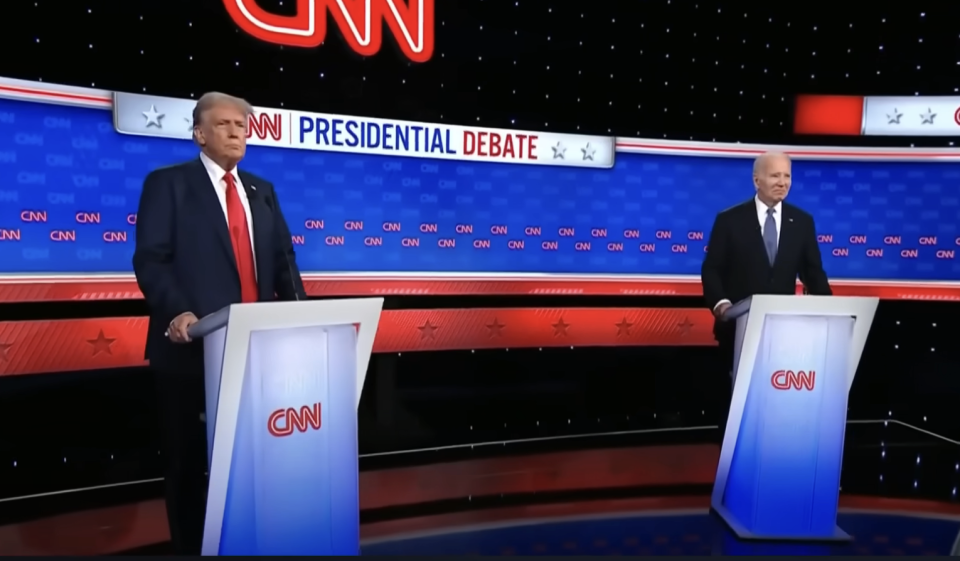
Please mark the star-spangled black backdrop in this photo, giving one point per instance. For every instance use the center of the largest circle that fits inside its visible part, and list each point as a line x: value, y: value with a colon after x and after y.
x: 683, y: 70
x: 677, y: 69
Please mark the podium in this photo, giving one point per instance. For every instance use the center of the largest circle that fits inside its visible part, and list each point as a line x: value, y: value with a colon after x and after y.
x: 794, y: 362
x: 283, y: 382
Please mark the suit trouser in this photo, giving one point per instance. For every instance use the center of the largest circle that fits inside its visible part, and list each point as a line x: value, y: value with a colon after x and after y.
x: 184, y: 451
x: 725, y: 338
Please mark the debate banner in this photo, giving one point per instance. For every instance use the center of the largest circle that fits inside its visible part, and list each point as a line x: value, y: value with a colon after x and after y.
x: 443, y: 206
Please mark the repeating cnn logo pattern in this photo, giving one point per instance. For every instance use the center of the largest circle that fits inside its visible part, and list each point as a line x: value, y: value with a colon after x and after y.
x: 790, y: 380
x: 411, y: 22
x: 71, y: 185
x: 283, y: 422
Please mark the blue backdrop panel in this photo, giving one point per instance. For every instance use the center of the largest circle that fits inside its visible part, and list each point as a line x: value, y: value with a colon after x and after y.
x: 69, y: 186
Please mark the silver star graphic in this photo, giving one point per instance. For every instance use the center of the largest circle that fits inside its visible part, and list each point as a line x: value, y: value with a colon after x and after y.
x: 894, y: 119
x: 153, y: 117
x: 928, y: 117
x: 559, y: 151
x: 189, y: 124
x: 588, y: 152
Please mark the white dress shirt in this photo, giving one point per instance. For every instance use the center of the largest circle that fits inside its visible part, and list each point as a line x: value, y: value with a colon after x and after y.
x: 217, y: 174
x: 762, y: 217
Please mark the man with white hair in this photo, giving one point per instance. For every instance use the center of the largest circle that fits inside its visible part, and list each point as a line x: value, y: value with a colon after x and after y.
x: 760, y: 246
x: 208, y: 235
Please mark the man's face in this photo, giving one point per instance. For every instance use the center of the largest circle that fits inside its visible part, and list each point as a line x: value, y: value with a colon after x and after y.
x: 223, y: 133
x: 773, y: 180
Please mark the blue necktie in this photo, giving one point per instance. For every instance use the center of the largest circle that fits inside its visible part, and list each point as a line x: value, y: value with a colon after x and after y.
x: 770, y: 236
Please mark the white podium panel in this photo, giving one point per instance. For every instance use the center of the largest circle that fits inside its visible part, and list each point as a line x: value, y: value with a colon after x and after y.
x: 283, y: 382
x: 795, y: 359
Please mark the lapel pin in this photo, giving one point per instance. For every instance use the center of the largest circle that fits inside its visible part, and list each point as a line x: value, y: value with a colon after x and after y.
x: 254, y: 188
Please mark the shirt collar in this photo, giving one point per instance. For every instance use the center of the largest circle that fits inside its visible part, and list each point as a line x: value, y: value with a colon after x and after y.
x: 762, y: 207
x: 214, y: 169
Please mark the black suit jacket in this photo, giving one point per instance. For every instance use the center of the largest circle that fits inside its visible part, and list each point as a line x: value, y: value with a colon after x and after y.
x: 736, y: 265
x: 184, y: 260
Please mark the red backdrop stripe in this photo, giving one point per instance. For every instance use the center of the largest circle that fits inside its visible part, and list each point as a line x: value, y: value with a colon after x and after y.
x: 32, y: 347
x: 23, y: 289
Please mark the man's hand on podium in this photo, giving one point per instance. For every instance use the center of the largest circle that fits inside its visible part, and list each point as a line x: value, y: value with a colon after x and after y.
x: 177, y: 330
x: 721, y: 309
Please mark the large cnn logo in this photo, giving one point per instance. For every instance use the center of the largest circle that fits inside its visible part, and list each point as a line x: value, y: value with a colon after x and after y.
x: 360, y: 22
x: 790, y: 380
x: 283, y: 422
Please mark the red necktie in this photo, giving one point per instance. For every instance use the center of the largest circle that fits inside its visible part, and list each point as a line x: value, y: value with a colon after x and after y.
x: 240, y: 236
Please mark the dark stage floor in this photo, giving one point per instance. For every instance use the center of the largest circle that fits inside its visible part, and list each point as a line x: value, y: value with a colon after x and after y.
x: 676, y: 527
x: 634, y: 493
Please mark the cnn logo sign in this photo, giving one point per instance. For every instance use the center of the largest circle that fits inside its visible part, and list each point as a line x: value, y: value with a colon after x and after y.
x: 360, y: 22
x: 283, y: 422
x: 790, y: 380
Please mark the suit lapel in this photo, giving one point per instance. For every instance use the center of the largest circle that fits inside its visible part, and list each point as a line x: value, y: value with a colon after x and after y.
x: 756, y: 232
x: 262, y: 223
x: 788, y: 234
x: 199, y: 181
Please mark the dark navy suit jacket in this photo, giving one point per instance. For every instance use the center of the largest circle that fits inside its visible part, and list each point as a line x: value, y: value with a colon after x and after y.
x: 184, y: 261
x: 736, y: 264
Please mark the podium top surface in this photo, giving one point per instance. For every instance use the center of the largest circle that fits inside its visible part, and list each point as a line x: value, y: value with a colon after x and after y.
x: 803, y: 305
x: 273, y: 315
x: 209, y: 324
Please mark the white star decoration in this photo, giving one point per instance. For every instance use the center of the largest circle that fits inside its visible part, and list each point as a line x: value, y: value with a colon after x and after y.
x: 928, y: 117
x: 894, y: 118
x: 588, y: 152
x: 153, y: 117
x: 559, y: 151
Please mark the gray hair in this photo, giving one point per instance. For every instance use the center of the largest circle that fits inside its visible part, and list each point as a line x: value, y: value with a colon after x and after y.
x: 211, y: 99
x: 763, y: 158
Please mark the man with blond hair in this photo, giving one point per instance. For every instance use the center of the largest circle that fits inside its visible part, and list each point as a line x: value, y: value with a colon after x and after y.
x: 760, y: 246
x: 208, y: 235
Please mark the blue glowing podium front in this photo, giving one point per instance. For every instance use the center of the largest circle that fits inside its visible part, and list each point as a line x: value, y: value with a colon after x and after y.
x: 283, y: 382
x: 794, y: 362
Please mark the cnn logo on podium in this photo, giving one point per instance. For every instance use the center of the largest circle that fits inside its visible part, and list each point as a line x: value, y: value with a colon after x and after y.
x: 790, y: 380
x: 361, y: 23
x: 283, y: 422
